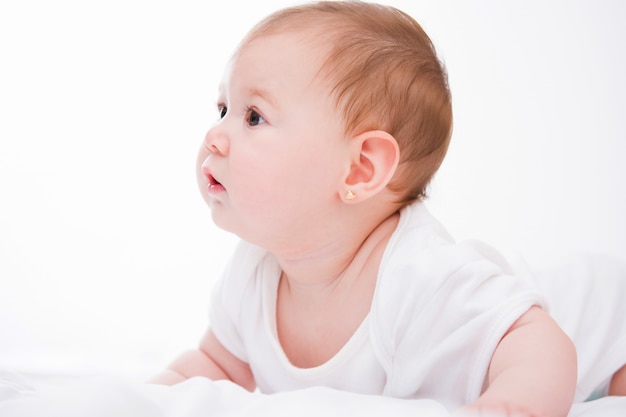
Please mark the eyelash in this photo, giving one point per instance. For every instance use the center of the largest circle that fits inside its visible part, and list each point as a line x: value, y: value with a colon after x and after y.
x: 249, y: 111
x: 221, y: 110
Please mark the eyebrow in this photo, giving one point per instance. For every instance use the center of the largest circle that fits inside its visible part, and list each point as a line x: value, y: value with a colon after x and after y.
x: 263, y: 94
x: 256, y: 92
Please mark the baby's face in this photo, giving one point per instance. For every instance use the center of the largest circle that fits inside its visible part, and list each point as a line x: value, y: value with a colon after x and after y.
x: 271, y: 167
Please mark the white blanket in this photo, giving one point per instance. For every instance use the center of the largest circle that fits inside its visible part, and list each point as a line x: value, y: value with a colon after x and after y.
x: 589, y: 312
x: 199, y: 397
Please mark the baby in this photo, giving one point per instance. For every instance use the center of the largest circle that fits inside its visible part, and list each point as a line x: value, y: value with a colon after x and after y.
x: 333, y: 118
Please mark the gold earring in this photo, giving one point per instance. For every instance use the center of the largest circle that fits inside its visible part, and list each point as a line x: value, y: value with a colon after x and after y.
x: 349, y: 195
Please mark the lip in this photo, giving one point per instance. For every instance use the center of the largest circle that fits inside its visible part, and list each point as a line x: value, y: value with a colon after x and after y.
x: 213, y: 185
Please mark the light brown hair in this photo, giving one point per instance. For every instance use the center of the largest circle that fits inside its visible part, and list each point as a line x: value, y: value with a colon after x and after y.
x: 385, y: 75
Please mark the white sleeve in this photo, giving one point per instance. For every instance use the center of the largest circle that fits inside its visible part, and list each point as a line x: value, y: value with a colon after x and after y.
x: 587, y: 294
x: 448, y: 308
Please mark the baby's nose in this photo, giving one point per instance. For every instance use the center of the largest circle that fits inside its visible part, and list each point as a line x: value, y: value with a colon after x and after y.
x: 216, y: 141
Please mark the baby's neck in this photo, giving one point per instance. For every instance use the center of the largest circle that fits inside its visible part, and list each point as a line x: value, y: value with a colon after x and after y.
x: 322, y: 300
x: 319, y: 272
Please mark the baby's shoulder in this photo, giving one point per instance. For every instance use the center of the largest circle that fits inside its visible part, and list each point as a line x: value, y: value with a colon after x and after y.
x: 421, y: 269
x: 425, y: 270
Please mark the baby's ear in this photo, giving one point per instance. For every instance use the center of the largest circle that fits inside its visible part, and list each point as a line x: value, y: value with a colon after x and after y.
x: 374, y: 158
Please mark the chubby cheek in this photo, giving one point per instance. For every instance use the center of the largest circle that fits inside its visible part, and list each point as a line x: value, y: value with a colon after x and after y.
x: 258, y: 184
x: 250, y: 179
x: 274, y: 185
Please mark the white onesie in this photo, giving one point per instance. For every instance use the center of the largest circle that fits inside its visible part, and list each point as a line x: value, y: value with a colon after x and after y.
x: 438, y: 312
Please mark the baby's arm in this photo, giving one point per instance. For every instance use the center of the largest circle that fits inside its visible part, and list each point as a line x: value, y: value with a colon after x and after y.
x: 533, y: 370
x: 210, y: 360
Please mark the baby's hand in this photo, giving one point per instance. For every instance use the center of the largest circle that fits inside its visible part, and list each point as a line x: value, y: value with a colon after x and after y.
x: 495, y: 410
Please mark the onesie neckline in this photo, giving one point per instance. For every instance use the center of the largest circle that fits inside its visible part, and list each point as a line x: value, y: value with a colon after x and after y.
x: 271, y: 275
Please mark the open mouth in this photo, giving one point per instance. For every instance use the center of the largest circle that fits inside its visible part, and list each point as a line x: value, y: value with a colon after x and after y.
x: 214, y: 185
x: 213, y: 181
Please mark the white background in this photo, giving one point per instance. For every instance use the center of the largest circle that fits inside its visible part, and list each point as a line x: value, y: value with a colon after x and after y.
x: 107, y: 252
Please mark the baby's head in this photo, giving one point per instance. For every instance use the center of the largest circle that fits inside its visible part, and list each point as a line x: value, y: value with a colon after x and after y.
x: 383, y: 73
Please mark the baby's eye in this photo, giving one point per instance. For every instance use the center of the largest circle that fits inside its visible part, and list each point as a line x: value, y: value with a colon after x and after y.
x: 254, y: 118
x: 221, y: 109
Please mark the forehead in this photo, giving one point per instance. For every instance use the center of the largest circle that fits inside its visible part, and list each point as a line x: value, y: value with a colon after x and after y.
x: 276, y: 62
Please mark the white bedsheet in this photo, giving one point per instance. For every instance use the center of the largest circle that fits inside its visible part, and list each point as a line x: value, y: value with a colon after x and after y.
x: 199, y: 397
x: 50, y: 395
